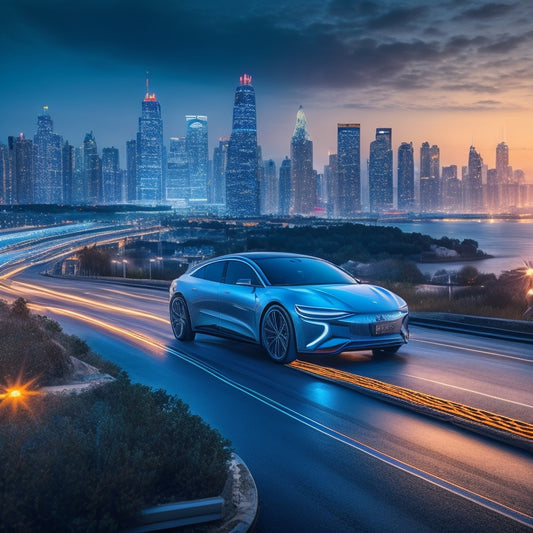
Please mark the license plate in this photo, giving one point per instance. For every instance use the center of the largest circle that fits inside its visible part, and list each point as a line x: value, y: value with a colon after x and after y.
x: 383, y: 328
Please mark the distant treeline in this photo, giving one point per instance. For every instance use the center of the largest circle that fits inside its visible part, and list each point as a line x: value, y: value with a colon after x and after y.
x: 343, y: 242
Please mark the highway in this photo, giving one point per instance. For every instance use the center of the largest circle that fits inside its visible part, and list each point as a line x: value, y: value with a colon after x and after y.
x: 324, y: 456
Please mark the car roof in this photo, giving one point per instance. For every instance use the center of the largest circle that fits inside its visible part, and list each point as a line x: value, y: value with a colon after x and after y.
x: 264, y: 255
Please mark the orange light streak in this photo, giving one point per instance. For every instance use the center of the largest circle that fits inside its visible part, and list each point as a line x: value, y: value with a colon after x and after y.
x: 132, y: 335
x: 91, y: 303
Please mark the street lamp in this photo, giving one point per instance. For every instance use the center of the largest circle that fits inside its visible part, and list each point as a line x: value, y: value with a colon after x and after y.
x: 150, y: 264
x: 124, y: 263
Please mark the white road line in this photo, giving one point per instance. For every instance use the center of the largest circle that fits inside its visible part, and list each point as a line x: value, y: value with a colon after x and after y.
x: 470, y: 390
x: 483, y: 352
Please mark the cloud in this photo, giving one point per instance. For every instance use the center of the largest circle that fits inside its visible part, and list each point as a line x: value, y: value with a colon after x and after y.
x: 488, y: 11
x: 295, y: 44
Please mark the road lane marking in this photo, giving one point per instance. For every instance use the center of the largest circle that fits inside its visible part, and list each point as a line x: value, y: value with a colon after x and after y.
x: 473, y: 350
x: 470, y: 390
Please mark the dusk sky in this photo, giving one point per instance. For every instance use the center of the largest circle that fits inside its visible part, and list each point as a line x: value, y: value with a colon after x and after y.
x: 451, y: 73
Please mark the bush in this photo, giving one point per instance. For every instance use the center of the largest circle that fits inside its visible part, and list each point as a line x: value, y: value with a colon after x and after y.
x: 91, y: 462
x: 29, y: 351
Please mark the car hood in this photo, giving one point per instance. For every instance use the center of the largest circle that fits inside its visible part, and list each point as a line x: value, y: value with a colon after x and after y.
x: 360, y: 298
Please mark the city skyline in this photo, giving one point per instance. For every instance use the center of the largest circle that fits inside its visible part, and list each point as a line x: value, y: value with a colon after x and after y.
x: 455, y: 75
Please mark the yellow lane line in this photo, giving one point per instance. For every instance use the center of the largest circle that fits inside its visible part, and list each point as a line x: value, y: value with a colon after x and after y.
x: 480, y: 416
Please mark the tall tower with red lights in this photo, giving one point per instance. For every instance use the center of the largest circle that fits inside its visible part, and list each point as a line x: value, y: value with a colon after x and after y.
x: 150, y: 151
x: 242, y: 173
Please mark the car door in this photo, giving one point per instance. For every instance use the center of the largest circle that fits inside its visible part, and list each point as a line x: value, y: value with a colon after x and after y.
x: 238, y: 300
x: 204, y: 296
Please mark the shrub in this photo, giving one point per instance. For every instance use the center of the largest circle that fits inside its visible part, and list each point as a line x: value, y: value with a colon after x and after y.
x: 91, y: 462
x: 29, y: 350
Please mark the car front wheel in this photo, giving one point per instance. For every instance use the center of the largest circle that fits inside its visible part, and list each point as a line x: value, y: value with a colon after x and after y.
x: 180, y: 319
x: 277, y: 335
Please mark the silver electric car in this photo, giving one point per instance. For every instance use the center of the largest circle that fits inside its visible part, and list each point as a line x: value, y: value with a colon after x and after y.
x: 287, y: 303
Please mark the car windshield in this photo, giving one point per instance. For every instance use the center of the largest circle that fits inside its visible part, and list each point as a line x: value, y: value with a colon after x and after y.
x: 302, y: 271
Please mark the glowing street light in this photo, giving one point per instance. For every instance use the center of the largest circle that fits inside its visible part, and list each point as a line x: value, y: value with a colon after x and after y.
x: 124, y: 263
x: 150, y: 265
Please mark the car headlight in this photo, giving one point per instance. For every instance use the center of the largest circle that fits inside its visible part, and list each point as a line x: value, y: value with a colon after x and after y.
x: 320, y: 313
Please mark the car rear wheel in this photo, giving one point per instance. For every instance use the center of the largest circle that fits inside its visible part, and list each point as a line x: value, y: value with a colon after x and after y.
x: 277, y: 335
x: 383, y: 352
x: 180, y: 319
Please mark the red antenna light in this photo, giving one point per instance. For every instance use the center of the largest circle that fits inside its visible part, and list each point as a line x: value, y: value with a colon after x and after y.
x: 246, y: 79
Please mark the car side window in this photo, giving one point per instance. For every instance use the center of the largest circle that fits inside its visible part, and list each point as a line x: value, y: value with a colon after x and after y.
x: 211, y: 272
x: 238, y: 273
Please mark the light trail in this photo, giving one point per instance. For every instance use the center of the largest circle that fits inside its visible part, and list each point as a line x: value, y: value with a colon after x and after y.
x: 138, y: 296
x: 86, y: 301
x: 137, y: 338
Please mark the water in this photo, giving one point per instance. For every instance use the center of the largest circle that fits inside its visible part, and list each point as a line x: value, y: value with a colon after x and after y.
x: 510, y: 242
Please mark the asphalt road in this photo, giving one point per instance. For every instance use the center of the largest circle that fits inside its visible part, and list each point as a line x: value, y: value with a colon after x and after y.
x: 324, y: 457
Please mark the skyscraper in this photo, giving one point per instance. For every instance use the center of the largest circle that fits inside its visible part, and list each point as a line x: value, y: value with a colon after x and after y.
x: 111, y: 177
x: 332, y: 188
x: 270, y: 189
x: 150, y: 151
x: 131, y: 171
x: 406, y: 177
x: 348, y: 195
x: 380, y: 186
x: 68, y: 165
x: 451, y: 190
x: 242, y: 181
x: 92, y: 171
x: 178, y: 189
x: 472, y: 183
x: 79, y: 185
x: 47, y: 162
x: 503, y: 170
x: 217, y: 192
x: 430, y: 187
x: 285, y: 187
x: 23, y: 170
x: 303, y: 176
x: 197, y: 156
x: 3, y: 174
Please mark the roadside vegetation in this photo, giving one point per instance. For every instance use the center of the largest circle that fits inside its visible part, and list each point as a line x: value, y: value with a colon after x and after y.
x: 90, y: 461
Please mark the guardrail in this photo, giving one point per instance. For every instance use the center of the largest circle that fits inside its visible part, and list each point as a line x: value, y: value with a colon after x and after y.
x: 179, y: 514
